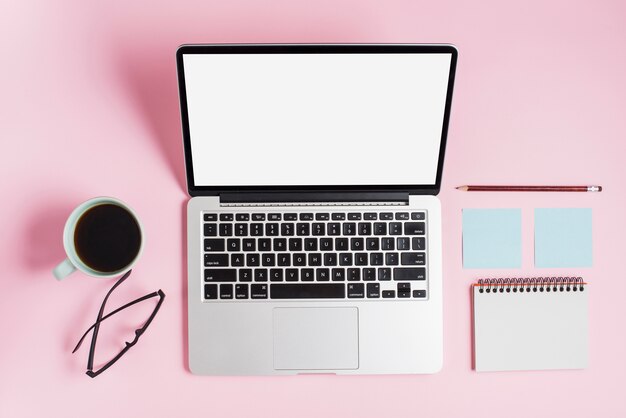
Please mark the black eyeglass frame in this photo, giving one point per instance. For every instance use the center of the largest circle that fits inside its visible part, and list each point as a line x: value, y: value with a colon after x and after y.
x: 101, y: 317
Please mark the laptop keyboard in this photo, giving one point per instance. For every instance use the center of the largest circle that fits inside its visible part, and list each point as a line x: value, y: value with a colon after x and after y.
x: 317, y: 255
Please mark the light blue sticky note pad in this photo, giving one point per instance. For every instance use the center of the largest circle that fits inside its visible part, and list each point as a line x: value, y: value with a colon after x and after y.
x: 563, y: 237
x: 492, y: 238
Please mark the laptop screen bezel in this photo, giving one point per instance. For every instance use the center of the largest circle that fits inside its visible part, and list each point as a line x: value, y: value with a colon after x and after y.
x: 203, y: 190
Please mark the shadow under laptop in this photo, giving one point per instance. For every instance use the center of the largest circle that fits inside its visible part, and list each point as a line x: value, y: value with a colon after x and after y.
x: 148, y: 76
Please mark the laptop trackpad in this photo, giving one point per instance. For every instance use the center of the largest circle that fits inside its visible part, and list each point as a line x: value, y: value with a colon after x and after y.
x: 316, y: 338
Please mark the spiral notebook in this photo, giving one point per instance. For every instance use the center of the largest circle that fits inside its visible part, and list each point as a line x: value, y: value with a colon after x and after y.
x: 530, y: 324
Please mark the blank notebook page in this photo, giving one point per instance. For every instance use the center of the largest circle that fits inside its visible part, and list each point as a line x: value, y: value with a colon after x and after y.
x: 530, y: 330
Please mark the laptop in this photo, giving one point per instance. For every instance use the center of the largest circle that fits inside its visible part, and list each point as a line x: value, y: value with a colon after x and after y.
x: 314, y: 227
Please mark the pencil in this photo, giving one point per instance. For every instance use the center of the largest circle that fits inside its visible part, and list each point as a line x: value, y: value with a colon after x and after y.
x: 530, y: 188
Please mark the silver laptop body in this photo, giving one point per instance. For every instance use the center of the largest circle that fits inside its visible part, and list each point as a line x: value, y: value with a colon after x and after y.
x: 314, y: 230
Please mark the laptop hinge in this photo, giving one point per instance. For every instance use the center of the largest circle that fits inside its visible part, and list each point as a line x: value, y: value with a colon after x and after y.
x: 401, y: 198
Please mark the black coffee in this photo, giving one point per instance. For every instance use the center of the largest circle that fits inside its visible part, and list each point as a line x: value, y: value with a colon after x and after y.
x: 107, y: 238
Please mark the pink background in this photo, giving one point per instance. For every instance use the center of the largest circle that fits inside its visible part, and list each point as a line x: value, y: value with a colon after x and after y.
x: 89, y: 107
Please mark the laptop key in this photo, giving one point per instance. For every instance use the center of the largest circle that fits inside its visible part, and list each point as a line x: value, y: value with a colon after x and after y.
x: 356, y: 290
x: 404, y: 243
x: 341, y: 244
x: 414, y: 228
x: 284, y: 259
x: 391, y: 259
x: 326, y: 244
x: 291, y: 216
x: 274, y: 217
x: 413, y: 259
x: 354, y: 274
x: 369, y: 274
x: 386, y: 216
x: 220, y: 275
x: 395, y: 228
x: 338, y: 275
x: 419, y: 243
x: 271, y: 229
x: 210, y: 230
x: 237, y: 260
x: 241, y: 230
x: 319, y: 229
x: 389, y: 293
x: 388, y: 244
x: 330, y: 259
x: 315, y: 259
x: 226, y: 291
x: 365, y: 228
x: 245, y: 275
x: 249, y: 244
x: 360, y: 259
x: 419, y: 293
x: 244, y: 217
x: 372, y: 244
x: 418, y: 216
x: 370, y: 216
x: 308, y: 275
x: 226, y: 230
x: 402, y: 216
x: 295, y: 244
x: 409, y: 273
x: 226, y: 217
x: 354, y: 216
x: 308, y: 291
x: 241, y: 291
x: 216, y: 260
x: 214, y: 244
x: 310, y: 244
x: 233, y: 244
x: 287, y: 229
x: 258, y: 216
x: 306, y: 216
x: 276, y: 275
x: 349, y: 228
x: 256, y: 230
x: 322, y: 275
x: 373, y: 290
x: 258, y: 291
x: 268, y: 259
x: 334, y: 228
x: 322, y: 216
x: 260, y: 275
x: 303, y: 229
x: 376, y: 259
x: 253, y: 260
x: 280, y: 244
x: 299, y: 259
x: 404, y: 293
x: 384, y: 274
x: 356, y: 244
x: 339, y: 216
x: 210, y: 291
x: 345, y: 259
x: 380, y: 228
x: 210, y: 217
x: 265, y: 244
x: 291, y: 275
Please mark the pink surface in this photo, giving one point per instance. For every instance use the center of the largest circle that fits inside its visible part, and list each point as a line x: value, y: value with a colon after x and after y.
x: 89, y: 107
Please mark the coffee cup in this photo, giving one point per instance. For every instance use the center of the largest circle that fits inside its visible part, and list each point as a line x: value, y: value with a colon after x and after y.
x: 103, y: 237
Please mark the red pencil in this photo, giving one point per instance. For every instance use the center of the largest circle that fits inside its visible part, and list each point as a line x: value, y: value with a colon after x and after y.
x: 530, y: 188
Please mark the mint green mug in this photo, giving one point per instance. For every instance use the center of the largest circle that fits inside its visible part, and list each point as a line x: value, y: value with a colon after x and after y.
x: 103, y: 237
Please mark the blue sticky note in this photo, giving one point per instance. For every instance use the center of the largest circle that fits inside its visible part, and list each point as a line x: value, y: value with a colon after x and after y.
x: 563, y: 237
x: 492, y: 238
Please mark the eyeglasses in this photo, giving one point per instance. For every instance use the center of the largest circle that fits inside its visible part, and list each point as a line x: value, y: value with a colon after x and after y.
x: 101, y: 317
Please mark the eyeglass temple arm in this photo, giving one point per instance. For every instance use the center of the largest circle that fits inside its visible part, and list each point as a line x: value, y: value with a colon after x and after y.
x: 129, y: 304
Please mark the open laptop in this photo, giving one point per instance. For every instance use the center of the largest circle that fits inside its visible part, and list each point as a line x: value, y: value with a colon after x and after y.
x: 314, y: 230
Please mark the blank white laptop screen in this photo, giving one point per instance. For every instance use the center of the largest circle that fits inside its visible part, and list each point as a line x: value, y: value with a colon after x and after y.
x: 315, y: 119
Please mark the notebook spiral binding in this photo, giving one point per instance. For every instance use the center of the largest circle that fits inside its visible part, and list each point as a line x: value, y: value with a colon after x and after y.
x: 528, y: 285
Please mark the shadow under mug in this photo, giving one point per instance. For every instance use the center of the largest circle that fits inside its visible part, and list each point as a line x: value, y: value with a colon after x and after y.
x: 73, y: 261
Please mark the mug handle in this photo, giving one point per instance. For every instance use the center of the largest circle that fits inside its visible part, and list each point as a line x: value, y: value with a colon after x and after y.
x: 64, y: 269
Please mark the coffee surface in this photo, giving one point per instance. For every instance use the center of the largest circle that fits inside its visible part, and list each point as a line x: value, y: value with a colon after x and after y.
x: 107, y: 238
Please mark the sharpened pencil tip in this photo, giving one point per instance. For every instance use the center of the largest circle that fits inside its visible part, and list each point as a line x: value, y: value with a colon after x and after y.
x: 464, y: 188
